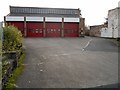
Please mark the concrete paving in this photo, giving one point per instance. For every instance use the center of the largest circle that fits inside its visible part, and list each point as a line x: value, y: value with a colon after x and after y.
x: 69, y: 63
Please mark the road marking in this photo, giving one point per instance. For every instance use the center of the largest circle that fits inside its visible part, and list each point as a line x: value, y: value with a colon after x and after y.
x: 86, y: 45
x: 15, y: 85
x: 41, y: 70
x: 65, y: 54
x: 40, y: 63
x: 54, y: 55
x: 43, y: 57
x: 28, y: 81
x: 25, y: 64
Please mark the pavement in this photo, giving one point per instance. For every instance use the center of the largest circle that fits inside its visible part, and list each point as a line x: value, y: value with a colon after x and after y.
x: 69, y: 63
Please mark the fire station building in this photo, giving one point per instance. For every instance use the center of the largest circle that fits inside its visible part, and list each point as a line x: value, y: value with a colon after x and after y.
x: 46, y: 22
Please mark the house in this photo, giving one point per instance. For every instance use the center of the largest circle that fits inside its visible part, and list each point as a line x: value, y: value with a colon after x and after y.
x: 46, y: 22
x: 113, y: 30
x: 95, y: 30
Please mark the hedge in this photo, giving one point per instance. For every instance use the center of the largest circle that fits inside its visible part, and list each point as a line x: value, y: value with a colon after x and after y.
x: 12, y: 39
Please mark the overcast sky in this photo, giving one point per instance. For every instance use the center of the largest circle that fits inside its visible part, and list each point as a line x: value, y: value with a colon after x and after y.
x: 94, y: 11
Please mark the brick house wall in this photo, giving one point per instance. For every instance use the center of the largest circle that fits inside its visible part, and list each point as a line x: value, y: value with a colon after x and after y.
x: 96, y: 30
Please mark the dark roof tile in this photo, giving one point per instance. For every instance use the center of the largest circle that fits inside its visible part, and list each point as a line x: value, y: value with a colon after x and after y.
x: 37, y: 11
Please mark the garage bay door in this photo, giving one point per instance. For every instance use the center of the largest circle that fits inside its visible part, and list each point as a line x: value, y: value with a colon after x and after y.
x: 34, y: 29
x: 53, y: 29
x: 19, y: 25
x: 71, y: 29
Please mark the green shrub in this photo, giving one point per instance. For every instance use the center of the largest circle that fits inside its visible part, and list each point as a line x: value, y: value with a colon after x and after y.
x: 12, y: 38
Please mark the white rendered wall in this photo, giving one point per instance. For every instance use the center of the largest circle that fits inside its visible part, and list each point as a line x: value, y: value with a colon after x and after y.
x: 113, y: 22
x: 105, y: 32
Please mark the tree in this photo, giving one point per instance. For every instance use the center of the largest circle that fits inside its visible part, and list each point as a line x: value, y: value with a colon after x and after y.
x: 12, y: 38
x: 87, y: 30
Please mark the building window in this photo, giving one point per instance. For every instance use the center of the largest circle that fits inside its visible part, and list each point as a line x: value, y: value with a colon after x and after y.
x: 40, y: 30
x: 51, y: 30
x: 54, y: 30
x: 36, y: 30
x: 58, y: 30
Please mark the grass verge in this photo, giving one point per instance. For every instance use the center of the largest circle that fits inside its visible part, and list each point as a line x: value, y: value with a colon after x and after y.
x: 12, y: 79
x: 116, y: 42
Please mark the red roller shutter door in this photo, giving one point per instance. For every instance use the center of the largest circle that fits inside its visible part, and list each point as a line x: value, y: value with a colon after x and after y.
x: 71, y: 29
x: 19, y: 25
x: 53, y: 29
x: 34, y: 29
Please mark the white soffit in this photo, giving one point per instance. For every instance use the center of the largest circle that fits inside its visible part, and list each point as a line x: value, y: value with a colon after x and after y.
x: 14, y: 18
x: 71, y: 19
x: 34, y: 19
x: 53, y: 19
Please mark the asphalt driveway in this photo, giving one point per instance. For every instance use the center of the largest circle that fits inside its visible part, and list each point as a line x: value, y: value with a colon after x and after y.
x: 69, y: 63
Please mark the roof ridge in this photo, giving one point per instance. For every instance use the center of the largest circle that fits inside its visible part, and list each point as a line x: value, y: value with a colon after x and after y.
x: 44, y: 7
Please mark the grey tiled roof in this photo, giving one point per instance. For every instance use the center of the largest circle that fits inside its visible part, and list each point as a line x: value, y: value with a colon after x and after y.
x: 37, y: 11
